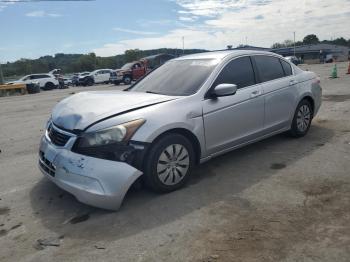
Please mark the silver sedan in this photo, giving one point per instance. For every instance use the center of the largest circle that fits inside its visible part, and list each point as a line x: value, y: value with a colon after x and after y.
x: 191, y: 109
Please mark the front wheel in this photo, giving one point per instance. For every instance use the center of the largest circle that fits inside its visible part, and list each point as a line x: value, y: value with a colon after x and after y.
x: 169, y: 163
x: 127, y: 80
x: 90, y: 82
x: 302, y: 119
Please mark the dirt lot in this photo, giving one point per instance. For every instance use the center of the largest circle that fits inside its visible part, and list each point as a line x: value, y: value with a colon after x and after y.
x: 281, y: 199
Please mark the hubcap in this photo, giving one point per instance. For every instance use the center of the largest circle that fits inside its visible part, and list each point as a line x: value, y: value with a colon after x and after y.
x: 173, y: 164
x: 303, y: 118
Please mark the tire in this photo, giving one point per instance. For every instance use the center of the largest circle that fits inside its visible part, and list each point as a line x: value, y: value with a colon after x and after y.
x: 49, y: 86
x: 165, y: 171
x: 117, y: 83
x: 33, y: 88
x: 90, y: 82
x: 302, y: 119
x: 127, y: 80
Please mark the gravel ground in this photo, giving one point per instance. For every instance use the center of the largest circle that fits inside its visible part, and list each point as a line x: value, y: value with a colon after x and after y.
x: 281, y: 199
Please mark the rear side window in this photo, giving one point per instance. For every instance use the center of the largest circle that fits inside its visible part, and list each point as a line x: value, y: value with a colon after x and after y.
x: 239, y: 72
x: 269, y: 68
x: 36, y: 77
x: 286, y: 67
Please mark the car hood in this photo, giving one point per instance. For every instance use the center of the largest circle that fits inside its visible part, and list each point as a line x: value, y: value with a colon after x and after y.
x: 122, y: 70
x: 81, y: 77
x: 79, y: 111
x: 15, y: 82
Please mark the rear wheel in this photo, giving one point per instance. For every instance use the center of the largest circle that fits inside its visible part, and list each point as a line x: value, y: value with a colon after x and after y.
x: 169, y: 163
x: 302, y: 119
x: 49, y: 86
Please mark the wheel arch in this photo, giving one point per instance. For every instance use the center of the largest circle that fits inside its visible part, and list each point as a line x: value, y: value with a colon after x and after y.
x: 186, y: 133
x: 310, y: 100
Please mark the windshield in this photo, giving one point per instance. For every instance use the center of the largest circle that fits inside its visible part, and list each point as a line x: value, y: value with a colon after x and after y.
x: 177, y: 77
x: 127, y: 66
x: 23, y: 78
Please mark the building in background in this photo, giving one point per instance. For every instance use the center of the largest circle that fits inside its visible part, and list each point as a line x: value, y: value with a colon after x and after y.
x: 318, y: 53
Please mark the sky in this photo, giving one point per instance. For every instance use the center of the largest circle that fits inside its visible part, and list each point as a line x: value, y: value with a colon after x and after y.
x: 30, y: 29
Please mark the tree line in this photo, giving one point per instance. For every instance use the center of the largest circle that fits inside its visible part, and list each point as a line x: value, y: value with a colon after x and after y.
x: 72, y: 63
x: 311, y: 40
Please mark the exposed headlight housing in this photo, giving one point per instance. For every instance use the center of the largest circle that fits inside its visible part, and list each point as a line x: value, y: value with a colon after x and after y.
x: 109, y: 136
x: 111, y: 143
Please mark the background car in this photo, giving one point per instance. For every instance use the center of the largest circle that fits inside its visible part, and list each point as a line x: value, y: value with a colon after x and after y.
x: 45, y: 81
x: 293, y: 59
x: 138, y: 69
x: 96, y: 77
x: 67, y: 81
x: 76, y: 76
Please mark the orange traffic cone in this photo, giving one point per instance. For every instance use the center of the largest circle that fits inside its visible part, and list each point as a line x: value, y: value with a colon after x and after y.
x: 348, y: 68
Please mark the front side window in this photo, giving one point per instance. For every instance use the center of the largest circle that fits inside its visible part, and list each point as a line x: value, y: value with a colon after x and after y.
x: 25, y: 78
x: 127, y: 66
x: 269, y: 67
x: 177, y: 77
x: 239, y: 72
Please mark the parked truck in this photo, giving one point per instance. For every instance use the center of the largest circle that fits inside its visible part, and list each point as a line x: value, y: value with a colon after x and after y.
x: 135, y: 70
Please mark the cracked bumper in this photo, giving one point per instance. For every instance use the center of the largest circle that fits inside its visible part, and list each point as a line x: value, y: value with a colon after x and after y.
x: 96, y: 182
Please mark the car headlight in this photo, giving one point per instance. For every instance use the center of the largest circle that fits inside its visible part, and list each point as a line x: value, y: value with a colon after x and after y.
x: 112, y: 135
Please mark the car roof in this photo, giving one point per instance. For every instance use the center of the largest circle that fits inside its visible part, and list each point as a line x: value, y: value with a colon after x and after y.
x: 47, y: 74
x: 224, y: 54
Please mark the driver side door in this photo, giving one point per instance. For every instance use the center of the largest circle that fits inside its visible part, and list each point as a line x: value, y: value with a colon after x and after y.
x: 98, y: 77
x: 230, y: 121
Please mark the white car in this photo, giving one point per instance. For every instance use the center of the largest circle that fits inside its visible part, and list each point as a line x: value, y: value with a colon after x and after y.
x: 96, y: 77
x: 45, y: 81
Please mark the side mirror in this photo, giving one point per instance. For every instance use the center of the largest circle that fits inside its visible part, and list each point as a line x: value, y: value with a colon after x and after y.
x: 224, y: 90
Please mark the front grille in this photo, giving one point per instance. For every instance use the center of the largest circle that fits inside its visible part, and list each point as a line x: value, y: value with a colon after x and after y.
x: 46, y: 165
x: 56, y: 137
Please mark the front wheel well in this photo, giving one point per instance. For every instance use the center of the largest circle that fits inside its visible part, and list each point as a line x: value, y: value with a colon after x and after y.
x: 189, y: 135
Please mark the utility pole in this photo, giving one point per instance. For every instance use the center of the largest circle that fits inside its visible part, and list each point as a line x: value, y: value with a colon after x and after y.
x: 183, y: 45
x: 294, y: 42
x: 246, y: 41
x: 1, y: 76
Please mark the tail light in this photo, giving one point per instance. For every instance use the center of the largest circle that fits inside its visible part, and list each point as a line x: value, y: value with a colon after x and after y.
x: 317, y: 80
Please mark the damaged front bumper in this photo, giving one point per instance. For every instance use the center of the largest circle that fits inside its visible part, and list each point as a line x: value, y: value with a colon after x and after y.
x: 93, y: 181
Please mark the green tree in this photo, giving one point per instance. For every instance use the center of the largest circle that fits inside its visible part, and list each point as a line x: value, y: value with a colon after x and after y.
x: 288, y: 43
x: 132, y: 55
x: 277, y: 45
x: 311, y: 40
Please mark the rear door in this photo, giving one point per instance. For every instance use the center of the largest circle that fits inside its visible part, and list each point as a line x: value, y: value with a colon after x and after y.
x: 233, y: 120
x: 280, y: 91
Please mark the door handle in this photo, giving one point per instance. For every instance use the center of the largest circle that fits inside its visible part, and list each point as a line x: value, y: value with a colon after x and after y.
x: 255, y: 93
